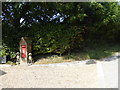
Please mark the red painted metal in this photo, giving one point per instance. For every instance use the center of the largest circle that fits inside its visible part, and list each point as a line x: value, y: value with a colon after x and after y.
x: 23, y: 51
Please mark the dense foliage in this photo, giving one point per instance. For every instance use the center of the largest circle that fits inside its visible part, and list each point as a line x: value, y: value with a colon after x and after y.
x: 59, y: 27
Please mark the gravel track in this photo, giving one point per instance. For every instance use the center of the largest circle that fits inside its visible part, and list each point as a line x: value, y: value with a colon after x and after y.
x: 73, y: 75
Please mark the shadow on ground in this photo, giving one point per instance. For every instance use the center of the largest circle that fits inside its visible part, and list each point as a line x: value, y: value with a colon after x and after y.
x: 2, y: 72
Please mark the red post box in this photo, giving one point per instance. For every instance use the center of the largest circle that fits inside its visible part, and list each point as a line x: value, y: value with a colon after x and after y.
x: 23, y: 51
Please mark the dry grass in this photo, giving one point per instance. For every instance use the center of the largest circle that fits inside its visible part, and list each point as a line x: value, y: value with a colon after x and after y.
x: 52, y: 59
x: 88, y: 53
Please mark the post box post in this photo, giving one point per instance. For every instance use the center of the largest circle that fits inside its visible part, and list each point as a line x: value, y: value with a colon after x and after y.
x: 25, y: 49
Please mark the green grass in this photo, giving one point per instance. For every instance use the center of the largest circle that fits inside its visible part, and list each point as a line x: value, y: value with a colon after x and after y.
x: 103, y: 51
x: 98, y: 52
x: 10, y: 63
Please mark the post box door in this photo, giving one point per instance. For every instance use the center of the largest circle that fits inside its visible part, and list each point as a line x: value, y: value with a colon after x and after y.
x: 23, y: 51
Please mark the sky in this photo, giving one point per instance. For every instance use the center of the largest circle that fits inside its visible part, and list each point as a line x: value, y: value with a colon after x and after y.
x: 54, y: 17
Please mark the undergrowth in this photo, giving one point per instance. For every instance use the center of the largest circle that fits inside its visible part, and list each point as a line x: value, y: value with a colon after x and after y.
x: 96, y: 51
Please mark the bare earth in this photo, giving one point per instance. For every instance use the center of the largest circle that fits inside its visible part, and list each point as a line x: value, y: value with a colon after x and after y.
x: 100, y: 75
x: 67, y: 76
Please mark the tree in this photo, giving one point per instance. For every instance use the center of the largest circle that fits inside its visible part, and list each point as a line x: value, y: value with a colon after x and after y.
x: 58, y: 27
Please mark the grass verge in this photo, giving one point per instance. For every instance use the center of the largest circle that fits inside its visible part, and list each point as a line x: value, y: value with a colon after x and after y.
x: 89, y: 52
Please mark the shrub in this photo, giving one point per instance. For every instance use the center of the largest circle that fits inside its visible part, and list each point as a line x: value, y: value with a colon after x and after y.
x: 55, y: 39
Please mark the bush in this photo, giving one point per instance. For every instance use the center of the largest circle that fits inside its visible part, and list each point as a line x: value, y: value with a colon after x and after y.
x: 47, y: 38
x: 5, y: 51
x: 53, y: 39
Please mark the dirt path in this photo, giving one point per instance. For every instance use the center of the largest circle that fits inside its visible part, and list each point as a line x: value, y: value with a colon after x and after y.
x: 100, y: 75
x: 69, y: 76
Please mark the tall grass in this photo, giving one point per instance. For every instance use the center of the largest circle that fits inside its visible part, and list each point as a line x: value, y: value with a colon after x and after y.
x: 96, y: 51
